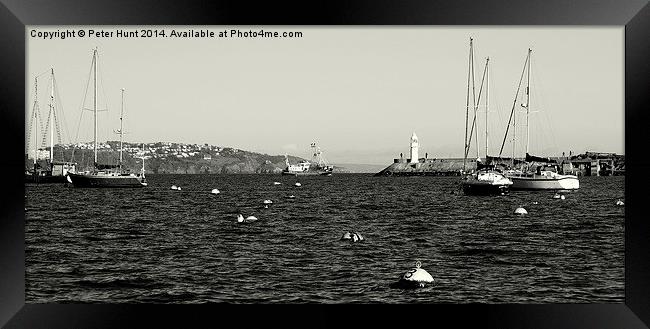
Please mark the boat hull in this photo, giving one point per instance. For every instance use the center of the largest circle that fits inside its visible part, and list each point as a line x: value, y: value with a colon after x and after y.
x: 308, y: 173
x: 92, y: 180
x: 44, y: 179
x: 475, y: 187
x: 536, y: 182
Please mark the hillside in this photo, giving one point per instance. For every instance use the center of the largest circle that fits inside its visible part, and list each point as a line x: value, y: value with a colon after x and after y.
x: 176, y: 158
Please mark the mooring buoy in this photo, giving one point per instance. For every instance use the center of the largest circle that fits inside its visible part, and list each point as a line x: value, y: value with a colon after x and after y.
x: 240, y: 218
x: 521, y: 211
x: 416, y: 277
x: 354, y: 236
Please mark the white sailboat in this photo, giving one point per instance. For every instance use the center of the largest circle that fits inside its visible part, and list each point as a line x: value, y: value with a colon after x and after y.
x: 487, y: 179
x: 103, y: 175
x: 537, y: 173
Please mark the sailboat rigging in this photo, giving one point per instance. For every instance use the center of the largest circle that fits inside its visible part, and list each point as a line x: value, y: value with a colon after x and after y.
x: 106, y: 175
x: 537, y: 173
x: 53, y: 171
x: 487, y: 179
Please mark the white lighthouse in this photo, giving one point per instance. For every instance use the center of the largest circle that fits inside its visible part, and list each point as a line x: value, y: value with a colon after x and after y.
x: 414, y: 148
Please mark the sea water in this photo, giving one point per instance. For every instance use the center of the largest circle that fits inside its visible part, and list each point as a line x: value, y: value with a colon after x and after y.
x: 157, y: 245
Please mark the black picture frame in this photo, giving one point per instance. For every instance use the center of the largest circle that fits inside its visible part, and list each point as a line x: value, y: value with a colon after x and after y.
x: 633, y: 14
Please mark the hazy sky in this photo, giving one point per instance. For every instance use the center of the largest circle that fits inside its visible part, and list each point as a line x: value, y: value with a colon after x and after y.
x: 359, y: 92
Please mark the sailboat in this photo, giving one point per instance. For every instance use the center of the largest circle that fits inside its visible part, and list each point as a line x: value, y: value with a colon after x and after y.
x: 537, y: 173
x: 53, y: 171
x: 318, y: 166
x: 106, y: 175
x: 487, y: 179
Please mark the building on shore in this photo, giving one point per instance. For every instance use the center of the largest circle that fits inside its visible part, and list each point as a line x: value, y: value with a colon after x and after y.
x: 598, y: 164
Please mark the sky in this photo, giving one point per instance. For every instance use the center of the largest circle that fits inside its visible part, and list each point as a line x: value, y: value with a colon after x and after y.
x: 358, y: 92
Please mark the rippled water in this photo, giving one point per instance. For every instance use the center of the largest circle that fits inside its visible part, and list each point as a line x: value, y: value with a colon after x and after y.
x: 156, y: 245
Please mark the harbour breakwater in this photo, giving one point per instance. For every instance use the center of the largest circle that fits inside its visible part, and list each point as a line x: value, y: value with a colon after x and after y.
x: 427, y: 167
x: 586, y: 164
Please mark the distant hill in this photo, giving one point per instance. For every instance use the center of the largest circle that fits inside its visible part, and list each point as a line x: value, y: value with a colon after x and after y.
x: 177, y: 158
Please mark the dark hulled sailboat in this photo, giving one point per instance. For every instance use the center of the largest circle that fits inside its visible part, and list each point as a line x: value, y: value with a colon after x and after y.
x: 103, y: 175
x: 487, y: 179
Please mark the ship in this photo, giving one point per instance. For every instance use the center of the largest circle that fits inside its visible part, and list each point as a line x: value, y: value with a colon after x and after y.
x: 49, y: 172
x: 486, y: 180
x: 106, y: 175
x: 45, y: 169
x: 548, y: 175
x: 318, y: 165
x: 538, y: 173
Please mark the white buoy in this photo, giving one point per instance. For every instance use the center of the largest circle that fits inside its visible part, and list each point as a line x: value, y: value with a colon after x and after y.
x: 298, y: 185
x: 240, y: 218
x: 562, y: 197
x: 620, y: 203
x: 535, y: 202
x: 354, y: 236
x: 179, y: 188
x: 268, y: 201
x: 521, y: 211
x: 415, y: 277
x: 276, y: 183
x: 174, y: 187
x: 215, y: 191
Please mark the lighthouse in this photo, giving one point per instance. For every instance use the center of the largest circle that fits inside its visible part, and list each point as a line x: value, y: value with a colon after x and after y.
x: 414, y: 148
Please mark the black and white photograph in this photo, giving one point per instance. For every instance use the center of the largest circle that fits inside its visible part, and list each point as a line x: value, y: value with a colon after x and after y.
x: 324, y: 164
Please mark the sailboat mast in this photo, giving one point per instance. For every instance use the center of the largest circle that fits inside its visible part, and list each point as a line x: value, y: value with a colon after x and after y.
x: 95, y: 104
x: 513, y: 117
x: 121, y: 131
x: 467, y: 107
x: 142, y: 159
x: 514, y: 136
x: 475, y: 108
x: 528, y: 101
x: 487, y: 102
x: 51, y: 118
x: 35, y: 120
